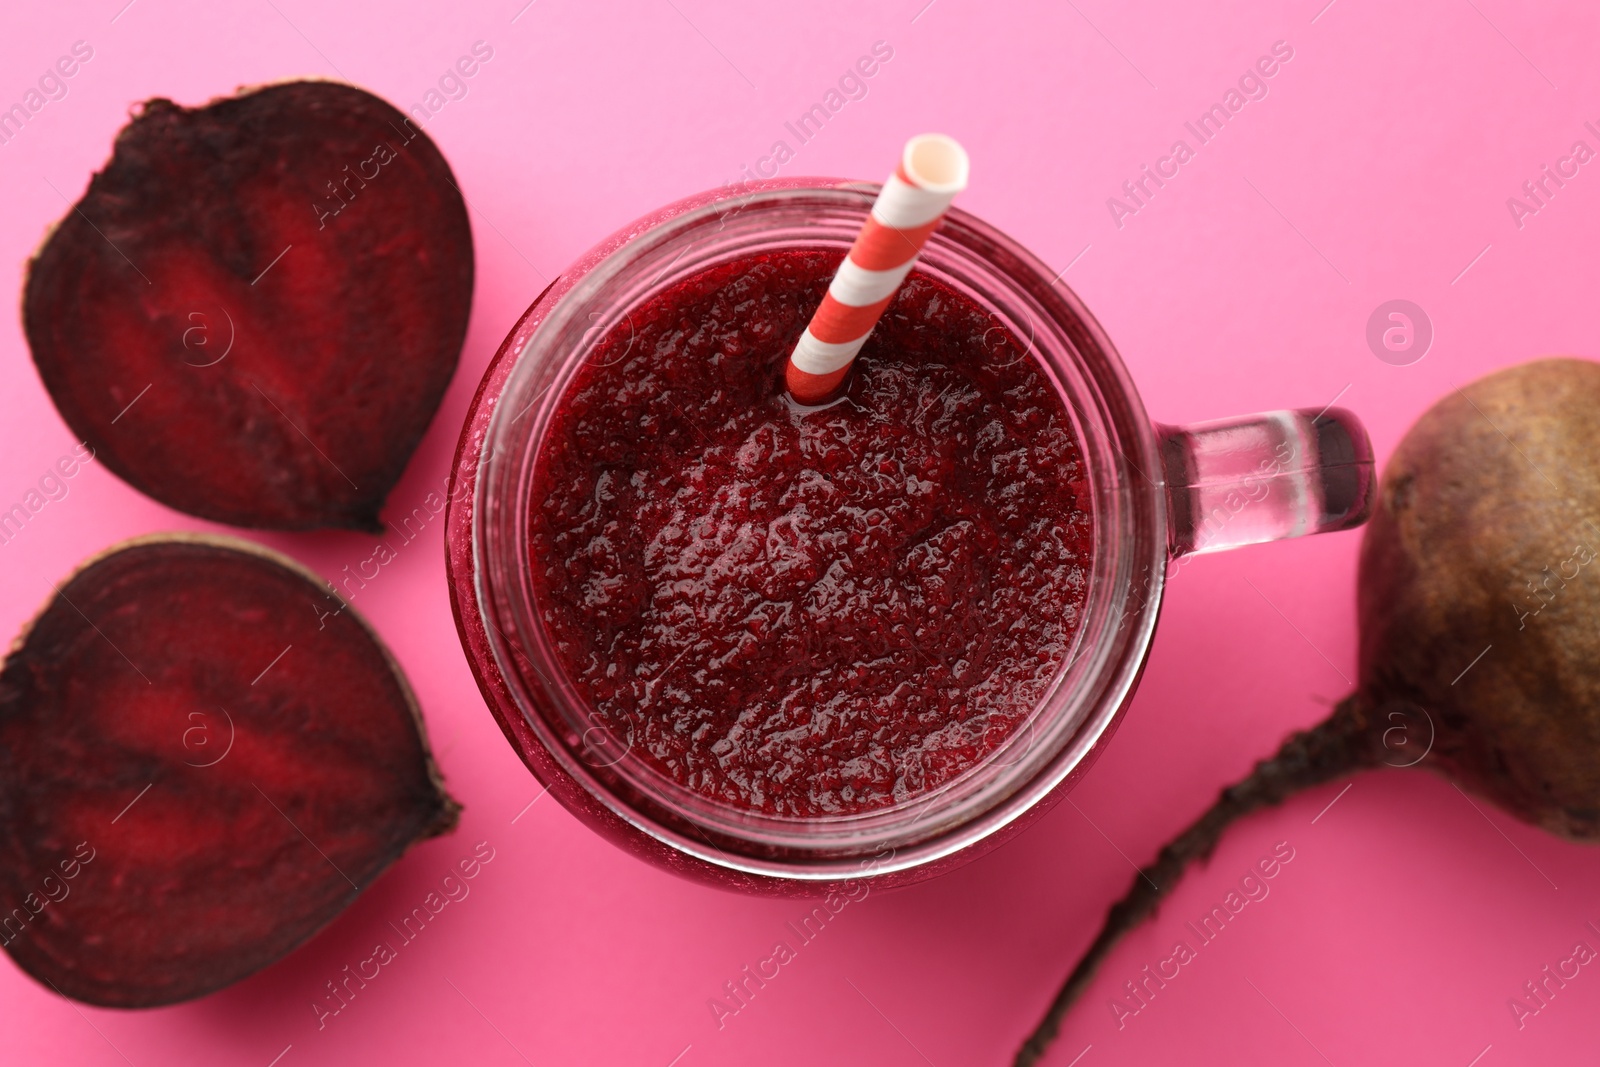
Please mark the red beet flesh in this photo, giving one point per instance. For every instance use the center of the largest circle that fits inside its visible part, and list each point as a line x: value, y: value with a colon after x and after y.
x: 204, y: 757
x: 254, y: 311
x: 810, y: 613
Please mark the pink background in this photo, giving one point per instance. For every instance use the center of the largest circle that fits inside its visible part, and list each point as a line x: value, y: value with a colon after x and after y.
x: 1378, y: 167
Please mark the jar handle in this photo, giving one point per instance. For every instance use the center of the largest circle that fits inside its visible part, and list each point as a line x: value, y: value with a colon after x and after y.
x: 1265, y: 477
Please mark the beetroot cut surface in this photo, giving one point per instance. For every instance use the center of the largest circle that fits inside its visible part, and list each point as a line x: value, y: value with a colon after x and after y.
x: 254, y: 311
x: 204, y: 757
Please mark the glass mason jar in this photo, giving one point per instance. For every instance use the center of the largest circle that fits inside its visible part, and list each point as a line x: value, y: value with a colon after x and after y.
x: 1158, y: 492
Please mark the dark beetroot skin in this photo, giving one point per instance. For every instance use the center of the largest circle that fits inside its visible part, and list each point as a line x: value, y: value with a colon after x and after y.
x: 182, y: 800
x: 809, y: 613
x: 283, y: 393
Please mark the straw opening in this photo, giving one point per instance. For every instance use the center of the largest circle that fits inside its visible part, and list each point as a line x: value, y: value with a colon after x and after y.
x: 936, y: 163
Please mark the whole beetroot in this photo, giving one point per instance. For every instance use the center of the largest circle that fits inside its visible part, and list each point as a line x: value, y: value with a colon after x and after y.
x: 1479, y: 653
x: 1481, y: 545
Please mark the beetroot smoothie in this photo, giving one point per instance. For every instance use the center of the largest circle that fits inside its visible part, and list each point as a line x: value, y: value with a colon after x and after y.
x: 809, y: 613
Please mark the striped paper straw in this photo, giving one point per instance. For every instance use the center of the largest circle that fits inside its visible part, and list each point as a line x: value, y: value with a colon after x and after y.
x: 933, y: 169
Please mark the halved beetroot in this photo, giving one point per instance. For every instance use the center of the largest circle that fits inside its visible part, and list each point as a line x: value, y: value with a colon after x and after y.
x: 254, y: 311
x: 204, y: 757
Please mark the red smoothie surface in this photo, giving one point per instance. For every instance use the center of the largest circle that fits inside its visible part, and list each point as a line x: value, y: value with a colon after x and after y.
x: 821, y: 612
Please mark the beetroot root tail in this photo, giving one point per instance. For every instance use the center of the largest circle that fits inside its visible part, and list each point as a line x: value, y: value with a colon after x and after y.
x: 1307, y: 758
